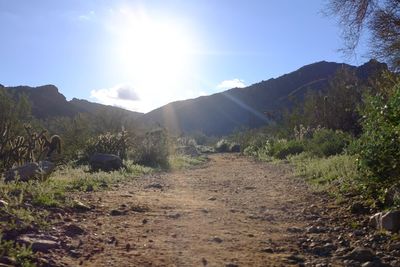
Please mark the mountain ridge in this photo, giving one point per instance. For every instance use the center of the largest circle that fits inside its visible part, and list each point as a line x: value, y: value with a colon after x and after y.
x: 222, y: 113
x: 215, y: 114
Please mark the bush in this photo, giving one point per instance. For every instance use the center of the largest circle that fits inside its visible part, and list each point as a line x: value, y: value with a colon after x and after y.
x: 222, y: 146
x: 326, y: 142
x: 153, y: 150
x: 108, y: 143
x: 285, y: 148
x: 378, y: 148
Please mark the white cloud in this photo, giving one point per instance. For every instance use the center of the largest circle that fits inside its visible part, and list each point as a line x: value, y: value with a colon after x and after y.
x: 120, y: 95
x: 85, y: 17
x: 228, y: 84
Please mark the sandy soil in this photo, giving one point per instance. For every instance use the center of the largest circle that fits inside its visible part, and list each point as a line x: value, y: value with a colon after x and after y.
x: 233, y: 211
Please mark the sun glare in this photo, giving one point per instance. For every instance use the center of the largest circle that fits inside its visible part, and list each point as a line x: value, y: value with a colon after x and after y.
x: 155, y: 53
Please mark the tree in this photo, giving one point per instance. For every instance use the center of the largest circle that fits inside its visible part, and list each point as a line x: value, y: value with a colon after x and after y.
x: 380, y: 17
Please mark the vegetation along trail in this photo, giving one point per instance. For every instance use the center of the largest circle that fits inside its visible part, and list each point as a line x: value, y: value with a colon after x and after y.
x: 232, y: 211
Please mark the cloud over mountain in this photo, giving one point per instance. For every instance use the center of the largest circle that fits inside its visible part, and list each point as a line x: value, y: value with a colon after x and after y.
x: 228, y: 84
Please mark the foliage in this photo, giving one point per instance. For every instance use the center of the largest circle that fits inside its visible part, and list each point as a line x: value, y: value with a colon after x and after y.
x: 20, y: 254
x: 75, y: 133
x: 381, y: 18
x: 108, y: 143
x: 153, y: 149
x: 333, y: 108
x: 335, y: 172
x: 13, y: 115
x: 378, y: 148
x: 283, y: 148
x: 178, y: 162
x: 222, y: 146
x: 325, y: 142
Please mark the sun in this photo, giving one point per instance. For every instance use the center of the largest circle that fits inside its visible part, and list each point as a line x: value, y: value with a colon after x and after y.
x: 156, y: 53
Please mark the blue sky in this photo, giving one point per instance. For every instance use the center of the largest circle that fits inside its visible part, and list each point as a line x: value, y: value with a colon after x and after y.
x: 143, y: 54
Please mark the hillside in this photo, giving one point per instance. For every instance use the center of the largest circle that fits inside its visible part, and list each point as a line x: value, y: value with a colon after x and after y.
x: 48, y: 102
x: 221, y: 113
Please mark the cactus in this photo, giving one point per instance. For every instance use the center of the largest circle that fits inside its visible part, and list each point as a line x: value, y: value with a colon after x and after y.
x: 19, y: 150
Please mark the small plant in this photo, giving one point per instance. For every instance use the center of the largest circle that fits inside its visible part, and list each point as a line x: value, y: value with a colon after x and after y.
x: 20, y: 254
x: 153, y: 150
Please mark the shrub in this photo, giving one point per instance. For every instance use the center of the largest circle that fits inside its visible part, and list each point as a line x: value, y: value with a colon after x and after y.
x: 109, y: 143
x: 326, y: 142
x: 284, y: 148
x: 378, y: 148
x: 222, y: 146
x: 153, y: 150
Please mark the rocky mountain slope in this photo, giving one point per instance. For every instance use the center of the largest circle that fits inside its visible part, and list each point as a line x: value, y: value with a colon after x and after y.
x: 252, y: 106
x: 48, y: 102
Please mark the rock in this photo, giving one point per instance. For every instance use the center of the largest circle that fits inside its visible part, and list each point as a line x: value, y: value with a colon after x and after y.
x: 105, y: 162
x: 140, y: 209
x: 190, y: 150
x: 117, y: 212
x: 217, y: 239
x: 358, y: 208
x: 391, y: 221
x: 294, y: 258
x: 204, y: 262
x: 315, y: 229
x: 174, y: 216
x: 267, y: 250
x: 212, y: 198
x: 155, y: 185
x: 361, y: 254
x: 73, y: 230
x: 30, y: 171
x: 39, y: 243
x: 80, y: 206
x: 392, y: 196
x: 375, y: 220
x: 375, y: 263
x: 235, y: 148
x: 295, y: 230
x: 231, y: 265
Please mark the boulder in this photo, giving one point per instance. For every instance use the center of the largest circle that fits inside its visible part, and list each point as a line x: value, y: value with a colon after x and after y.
x: 389, y: 221
x: 361, y: 254
x: 235, y: 148
x: 29, y: 171
x: 39, y: 243
x: 105, y: 162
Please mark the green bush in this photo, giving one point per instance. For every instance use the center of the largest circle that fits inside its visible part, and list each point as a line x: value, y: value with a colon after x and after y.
x: 109, y: 143
x: 378, y: 148
x: 153, y: 150
x: 326, y: 142
x: 284, y: 148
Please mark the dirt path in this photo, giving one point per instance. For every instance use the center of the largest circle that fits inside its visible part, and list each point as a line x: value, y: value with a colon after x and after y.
x: 231, y: 212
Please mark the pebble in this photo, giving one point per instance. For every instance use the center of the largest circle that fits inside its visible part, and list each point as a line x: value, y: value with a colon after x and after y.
x: 73, y: 230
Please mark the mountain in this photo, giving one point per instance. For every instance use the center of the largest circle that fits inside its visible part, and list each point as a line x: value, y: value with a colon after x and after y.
x: 48, y: 102
x: 222, y: 113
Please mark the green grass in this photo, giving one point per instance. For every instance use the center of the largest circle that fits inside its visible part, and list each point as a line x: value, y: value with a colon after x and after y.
x: 178, y: 162
x: 338, y: 172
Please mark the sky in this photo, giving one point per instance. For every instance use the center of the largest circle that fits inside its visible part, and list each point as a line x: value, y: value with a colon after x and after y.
x: 140, y: 55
